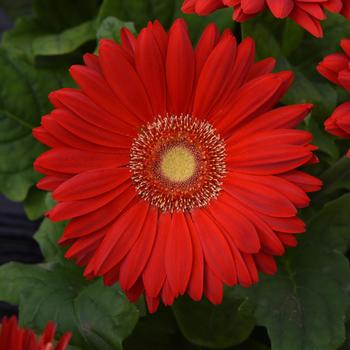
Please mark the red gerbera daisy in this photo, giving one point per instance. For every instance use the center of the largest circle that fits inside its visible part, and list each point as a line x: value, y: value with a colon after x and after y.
x: 306, y: 13
x: 175, y: 168
x: 12, y: 337
x: 336, y: 68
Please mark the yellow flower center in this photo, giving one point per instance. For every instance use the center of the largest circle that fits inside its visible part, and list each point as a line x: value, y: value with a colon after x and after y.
x: 178, y: 164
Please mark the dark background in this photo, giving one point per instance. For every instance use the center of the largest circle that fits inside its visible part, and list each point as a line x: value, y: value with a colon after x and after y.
x: 16, y: 241
x: 16, y: 231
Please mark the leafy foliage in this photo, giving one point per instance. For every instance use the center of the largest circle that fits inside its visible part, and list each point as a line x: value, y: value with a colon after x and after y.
x: 99, y: 317
x: 23, y: 100
x: 214, y: 326
x: 111, y: 26
x: 49, y: 31
x: 304, y: 305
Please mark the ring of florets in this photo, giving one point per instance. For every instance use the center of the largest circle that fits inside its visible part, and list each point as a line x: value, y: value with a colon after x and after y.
x: 178, y: 163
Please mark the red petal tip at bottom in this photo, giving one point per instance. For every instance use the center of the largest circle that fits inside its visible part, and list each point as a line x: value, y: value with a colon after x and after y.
x: 13, y: 337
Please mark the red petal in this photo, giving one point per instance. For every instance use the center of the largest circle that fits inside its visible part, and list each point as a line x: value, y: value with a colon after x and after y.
x: 136, y: 260
x: 205, y: 46
x: 167, y: 294
x: 154, y: 274
x: 85, y: 224
x: 124, y: 81
x: 307, y: 22
x: 281, y: 8
x: 71, y: 209
x: 288, y: 240
x: 150, y: 67
x: 73, y: 161
x: 91, y: 61
x: 266, y: 263
x: 251, y: 266
x: 120, y: 238
x: 50, y: 183
x: 68, y: 139
x: 270, y: 161
x: 213, y: 287
x: 216, y: 251
x: 262, y: 67
x: 161, y: 37
x: 286, y: 117
x: 152, y: 304
x: 252, y: 7
x: 94, y: 85
x: 268, y: 239
x: 214, y: 77
x: 236, y: 226
x: 89, y: 132
x: 204, y: 8
x: 91, y: 183
x: 195, y: 287
x: 306, y: 182
x: 286, y: 225
x: 109, y: 114
x: 180, y: 69
x: 248, y: 101
x: 178, y: 254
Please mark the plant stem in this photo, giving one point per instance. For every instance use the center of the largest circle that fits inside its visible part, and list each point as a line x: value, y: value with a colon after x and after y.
x: 331, y: 179
x: 338, y: 170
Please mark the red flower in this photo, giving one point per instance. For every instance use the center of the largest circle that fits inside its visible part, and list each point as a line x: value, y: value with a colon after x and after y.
x: 336, y: 68
x: 177, y: 171
x: 13, y: 337
x: 306, y: 13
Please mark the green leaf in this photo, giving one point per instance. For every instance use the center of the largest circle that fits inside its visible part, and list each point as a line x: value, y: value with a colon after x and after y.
x: 50, y: 31
x: 28, y: 37
x: 214, y: 326
x: 23, y: 100
x: 166, y: 11
x: 14, y: 277
x: 222, y: 18
x: 266, y: 43
x: 99, y: 317
x: 35, y: 203
x: 158, y: 331
x: 20, y: 39
x: 336, y: 180
x: 66, y: 41
x: 292, y: 37
x: 304, y: 90
x: 323, y: 140
x: 139, y: 12
x: 110, y: 28
x: 303, y: 306
x: 331, y: 225
x: 47, y: 236
x: 250, y: 344
x: 112, y: 8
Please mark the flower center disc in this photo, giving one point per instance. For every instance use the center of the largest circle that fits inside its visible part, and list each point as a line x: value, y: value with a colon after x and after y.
x: 178, y: 163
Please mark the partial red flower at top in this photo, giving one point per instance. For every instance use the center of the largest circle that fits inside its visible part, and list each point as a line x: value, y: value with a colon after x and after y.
x: 336, y: 68
x: 12, y: 337
x: 176, y: 169
x: 306, y: 13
